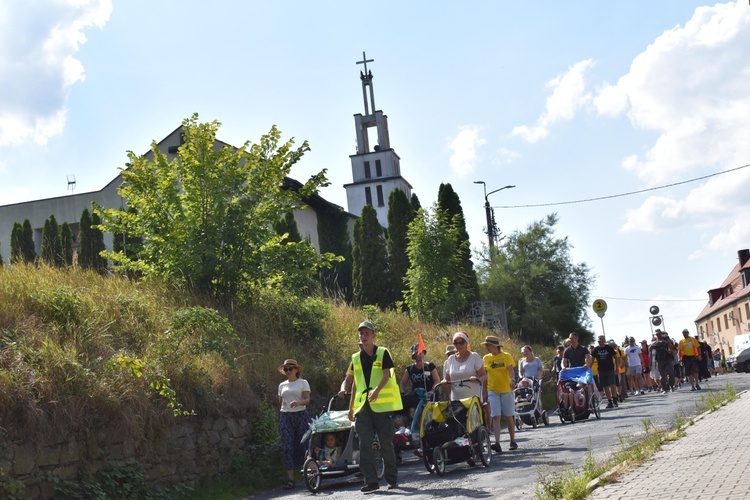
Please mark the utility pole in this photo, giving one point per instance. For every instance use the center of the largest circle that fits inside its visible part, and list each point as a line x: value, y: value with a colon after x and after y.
x: 490, y: 214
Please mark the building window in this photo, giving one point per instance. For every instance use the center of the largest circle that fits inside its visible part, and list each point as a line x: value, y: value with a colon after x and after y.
x: 726, y: 322
x: 378, y: 169
x: 368, y: 196
x: 747, y: 310
x: 381, y: 202
x: 367, y: 170
x: 718, y: 324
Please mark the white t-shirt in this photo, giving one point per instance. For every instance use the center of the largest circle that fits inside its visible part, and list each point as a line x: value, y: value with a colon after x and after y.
x: 529, y: 370
x: 634, y: 356
x: 292, y: 391
x: 462, y: 371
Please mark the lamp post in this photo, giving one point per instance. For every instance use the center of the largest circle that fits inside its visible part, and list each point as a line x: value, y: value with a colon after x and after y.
x: 489, y: 213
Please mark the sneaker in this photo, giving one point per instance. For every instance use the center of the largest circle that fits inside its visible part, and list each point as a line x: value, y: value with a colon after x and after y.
x: 620, y: 399
x: 615, y: 403
x: 496, y: 448
x: 418, y: 452
x: 643, y: 392
x: 698, y: 387
x: 609, y: 404
x: 692, y: 388
x: 392, y: 486
x: 513, y: 445
x: 369, y: 488
x: 663, y: 392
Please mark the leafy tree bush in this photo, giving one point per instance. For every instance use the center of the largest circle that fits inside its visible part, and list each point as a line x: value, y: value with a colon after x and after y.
x: 546, y: 294
x: 434, y: 285
x: 52, y: 252
x: 16, y: 242
x: 333, y: 236
x: 91, y: 243
x: 206, y: 218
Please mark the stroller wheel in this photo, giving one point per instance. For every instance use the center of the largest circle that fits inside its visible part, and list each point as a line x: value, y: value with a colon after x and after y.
x: 311, y: 475
x: 438, y: 461
x: 545, y: 417
x: 533, y: 421
x: 518, y: 423
x: 379, y: 464
x: 484, y: 446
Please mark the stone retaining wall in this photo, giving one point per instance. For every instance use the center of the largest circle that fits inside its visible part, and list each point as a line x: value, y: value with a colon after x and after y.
x: 185, y: 453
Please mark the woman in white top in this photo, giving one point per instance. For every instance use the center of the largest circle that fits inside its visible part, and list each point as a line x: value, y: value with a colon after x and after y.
x: 464, y: 365
x: 530, y: 366
x: 294, y: 396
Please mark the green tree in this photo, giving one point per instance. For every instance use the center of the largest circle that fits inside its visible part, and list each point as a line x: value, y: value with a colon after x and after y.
x: 287, y: 225
x: 85, y: 244
x: 16, y: 243
x: 449, y: 202
x: 97, y: 243
x: 546, y: 294
x: 66, y: 239
x: 400, y: 214
x: 126, y: 243
x: 434, y: 291
x: 415, y: 205
x: 333, y: 237
x: 28, y: 248
x: 51, y: 244
x: 206, y: 217
x: 370, y: 261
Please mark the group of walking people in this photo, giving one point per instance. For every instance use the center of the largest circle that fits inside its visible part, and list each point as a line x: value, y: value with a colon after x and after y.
x: 637, y: 368
x: 375, y: 395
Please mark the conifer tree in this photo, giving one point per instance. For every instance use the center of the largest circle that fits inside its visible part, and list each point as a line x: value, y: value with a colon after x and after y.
x: 400, y: 214
x: 415, y: 205
x: 28, y: 248
x: 97, y: 244
x: 66, y: 238
x: 333, y: 237
x: 449, y: 203
x: 369, y: 261
x: 16, y: 242
x: 51, y: 244
x: 86, y: 250
x: 288, y: 225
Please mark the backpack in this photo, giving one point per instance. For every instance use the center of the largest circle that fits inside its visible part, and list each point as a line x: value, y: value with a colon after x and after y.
x: 661, y: 351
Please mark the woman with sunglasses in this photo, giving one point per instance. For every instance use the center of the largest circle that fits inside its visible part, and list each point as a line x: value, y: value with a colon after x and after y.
x: 294, y: 396
x: 464, y: 365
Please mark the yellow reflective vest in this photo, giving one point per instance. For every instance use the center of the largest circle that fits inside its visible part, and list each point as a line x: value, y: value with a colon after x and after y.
x: 389, y: 397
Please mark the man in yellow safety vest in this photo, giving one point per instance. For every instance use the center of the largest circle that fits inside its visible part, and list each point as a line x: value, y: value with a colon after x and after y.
x: 375, y: 397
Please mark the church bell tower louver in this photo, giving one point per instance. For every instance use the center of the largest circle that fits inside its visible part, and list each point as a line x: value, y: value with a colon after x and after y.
x: 376, y: 169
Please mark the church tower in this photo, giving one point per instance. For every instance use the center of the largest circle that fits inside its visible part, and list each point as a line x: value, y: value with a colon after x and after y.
x: 376, y: 169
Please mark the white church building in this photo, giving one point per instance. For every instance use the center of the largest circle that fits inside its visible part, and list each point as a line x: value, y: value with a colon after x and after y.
x: 376, y: 172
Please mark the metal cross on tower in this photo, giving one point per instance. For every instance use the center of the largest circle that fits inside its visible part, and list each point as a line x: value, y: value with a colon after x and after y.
x: 364, y: 61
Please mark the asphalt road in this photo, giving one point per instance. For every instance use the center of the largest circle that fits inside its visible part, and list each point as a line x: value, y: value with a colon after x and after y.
x: 514, y: 474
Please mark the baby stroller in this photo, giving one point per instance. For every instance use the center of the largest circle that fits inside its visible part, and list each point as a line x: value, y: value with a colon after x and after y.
x: 409, y: 439
x: 453, y: 432
x: 579, y: 382
x: 338, y: 423
x: 529, y: 409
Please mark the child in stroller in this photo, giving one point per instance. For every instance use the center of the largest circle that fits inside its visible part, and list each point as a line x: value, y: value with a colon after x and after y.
x: 529, y: 408
x: 332, y: 450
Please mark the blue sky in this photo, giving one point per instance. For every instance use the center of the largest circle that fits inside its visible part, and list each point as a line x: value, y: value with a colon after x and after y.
x: 566, y: 100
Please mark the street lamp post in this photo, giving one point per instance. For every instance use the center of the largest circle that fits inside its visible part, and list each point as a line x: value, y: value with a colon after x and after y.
x: 489, y: 213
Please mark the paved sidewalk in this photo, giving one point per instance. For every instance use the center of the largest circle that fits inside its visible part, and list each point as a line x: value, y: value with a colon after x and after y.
x: 710, y: 462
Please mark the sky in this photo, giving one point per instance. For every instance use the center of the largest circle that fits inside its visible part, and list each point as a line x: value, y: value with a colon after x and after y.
x: 567, y: 101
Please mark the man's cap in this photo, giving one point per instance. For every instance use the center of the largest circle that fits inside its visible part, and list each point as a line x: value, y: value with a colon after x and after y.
x: 602, y: 338
x: 611, y: 341
x: 686, y: 331
x: 366, y: 324
x: 573, y: 334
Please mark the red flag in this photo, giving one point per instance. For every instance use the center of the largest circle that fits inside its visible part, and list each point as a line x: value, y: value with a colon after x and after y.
x: 421, y: 348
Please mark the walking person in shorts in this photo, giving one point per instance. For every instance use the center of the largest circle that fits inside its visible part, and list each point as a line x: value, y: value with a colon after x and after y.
x: 501, y: 381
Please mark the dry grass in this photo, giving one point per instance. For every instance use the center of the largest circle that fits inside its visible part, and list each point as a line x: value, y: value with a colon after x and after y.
x: 79, y: 351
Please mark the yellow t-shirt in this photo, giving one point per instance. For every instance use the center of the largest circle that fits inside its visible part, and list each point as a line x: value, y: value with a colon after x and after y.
x: 595, y: 367
x: 688, y: 347
x: 620, y: 357
x: 496, y: 366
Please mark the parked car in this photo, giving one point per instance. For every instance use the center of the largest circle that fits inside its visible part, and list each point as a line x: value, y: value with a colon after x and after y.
x: 741, y: 362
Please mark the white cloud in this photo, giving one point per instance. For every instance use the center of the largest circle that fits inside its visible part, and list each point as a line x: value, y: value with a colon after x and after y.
x: 506, y: 156
x: 464, y: 150
x: 568, y: 96
x: 38, y: 43
x: 690, y: 87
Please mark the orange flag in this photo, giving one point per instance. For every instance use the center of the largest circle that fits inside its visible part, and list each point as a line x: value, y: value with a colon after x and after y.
x: 421, y: 344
